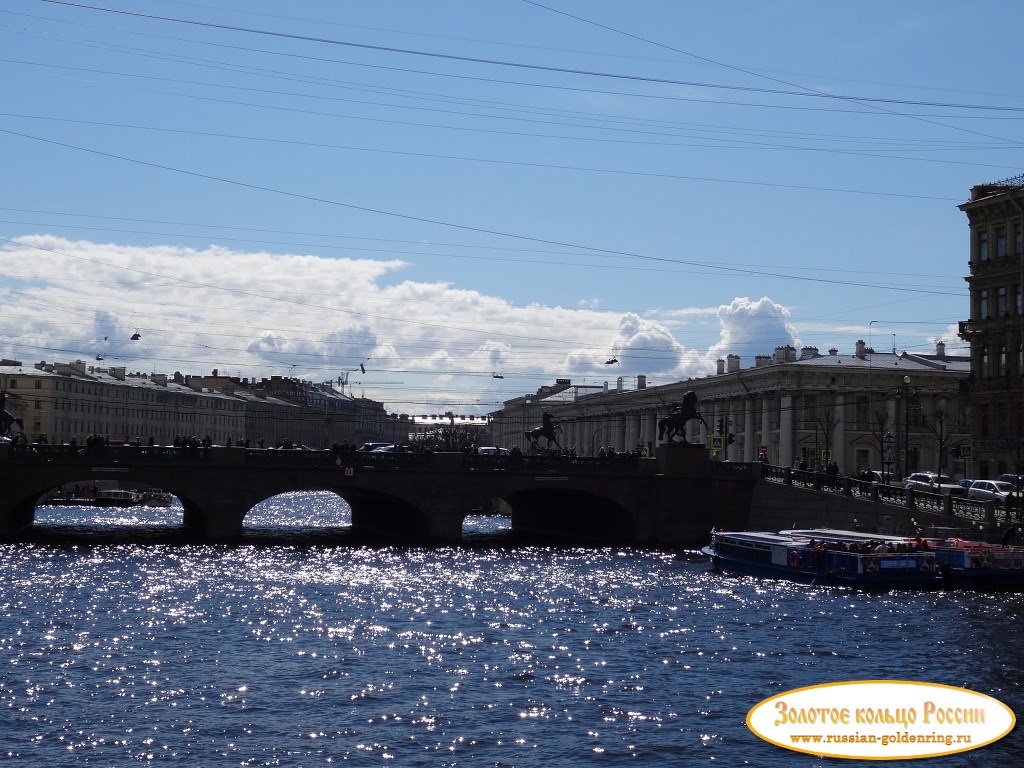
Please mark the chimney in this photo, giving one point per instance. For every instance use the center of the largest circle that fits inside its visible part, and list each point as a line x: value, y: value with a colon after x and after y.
x: 732, y: 363
x: 721, y: 366
x: 861, y: 349
x: 618, y: 384
x: 641, y: 381
x: 807, y: 353
x: 940, y: 349
x: 832, y: 351
x: 760, y: 361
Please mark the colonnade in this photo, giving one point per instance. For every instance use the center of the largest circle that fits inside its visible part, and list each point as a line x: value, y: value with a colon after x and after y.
x: 766, y: 423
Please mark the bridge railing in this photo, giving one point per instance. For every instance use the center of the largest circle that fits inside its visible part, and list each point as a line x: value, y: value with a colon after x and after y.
x: 897, y: 496
x: 625, y: 464
x: 42, y: 452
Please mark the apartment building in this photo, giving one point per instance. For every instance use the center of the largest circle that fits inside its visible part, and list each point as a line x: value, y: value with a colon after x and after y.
x: 995, y: 330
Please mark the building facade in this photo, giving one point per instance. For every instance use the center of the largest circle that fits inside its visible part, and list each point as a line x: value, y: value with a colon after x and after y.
x: 68, y: 402
x: 995, y: 330
x: 787, y: 408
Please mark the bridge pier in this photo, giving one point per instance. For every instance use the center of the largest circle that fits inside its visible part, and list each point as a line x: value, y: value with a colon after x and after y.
x: 14, y: 518
x: 219, y: 522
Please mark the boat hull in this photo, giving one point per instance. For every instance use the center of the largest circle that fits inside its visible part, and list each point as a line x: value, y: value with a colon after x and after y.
x: 776, y: 556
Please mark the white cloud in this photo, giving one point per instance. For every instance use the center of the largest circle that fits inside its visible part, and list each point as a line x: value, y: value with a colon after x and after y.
x: 750, y: 328
x: 424, y: 345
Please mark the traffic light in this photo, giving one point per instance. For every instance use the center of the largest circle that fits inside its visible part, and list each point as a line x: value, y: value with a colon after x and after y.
x: 720, y: 427
x: 730, y: 439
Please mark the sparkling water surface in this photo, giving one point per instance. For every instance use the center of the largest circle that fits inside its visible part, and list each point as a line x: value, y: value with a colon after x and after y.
x: 309, y: 654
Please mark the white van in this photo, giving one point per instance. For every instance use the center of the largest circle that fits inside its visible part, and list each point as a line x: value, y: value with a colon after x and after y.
x: 492, y: 450
x: 367, y: 447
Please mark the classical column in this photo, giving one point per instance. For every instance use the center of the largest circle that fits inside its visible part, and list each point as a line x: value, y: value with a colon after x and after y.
x: 786, y: 431
x: 649, y: 428
x: 766, y: 424
x: 839, y: 437
x: 632, y: 431
x: 748, y: 430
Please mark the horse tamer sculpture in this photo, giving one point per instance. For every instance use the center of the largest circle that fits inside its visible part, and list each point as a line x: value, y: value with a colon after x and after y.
x: 674, y: 424
x: 547, y: 430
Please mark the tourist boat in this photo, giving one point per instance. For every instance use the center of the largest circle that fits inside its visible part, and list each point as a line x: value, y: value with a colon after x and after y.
x: 110, y: 497
x: 154, y: 497
x: 826, y: 557
x: 979, y: 564
x: 961, y: 563
x: 117, y: 497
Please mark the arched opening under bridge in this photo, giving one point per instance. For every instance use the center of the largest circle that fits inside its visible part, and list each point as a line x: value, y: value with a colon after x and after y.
x: 93, y: 509
x: 489, y: 524
x: 306, y: 516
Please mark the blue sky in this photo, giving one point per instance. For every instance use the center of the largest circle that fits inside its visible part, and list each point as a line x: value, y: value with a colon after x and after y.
x: 449, y: 192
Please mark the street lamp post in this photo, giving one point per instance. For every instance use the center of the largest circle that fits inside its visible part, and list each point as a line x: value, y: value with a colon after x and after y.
x: 906, y: 426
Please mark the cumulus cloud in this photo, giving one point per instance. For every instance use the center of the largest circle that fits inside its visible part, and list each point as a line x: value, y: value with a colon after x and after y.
x: 316, y: 317
x: 749, y: 328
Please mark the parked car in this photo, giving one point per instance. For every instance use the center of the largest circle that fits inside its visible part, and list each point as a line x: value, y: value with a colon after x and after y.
x: 965, y: 484
x: 1017, y: 481
x: 992, y: 490
x: 491, y: 450
x: 931, y: 482
x: 367, y: 447
x: 876, y: 476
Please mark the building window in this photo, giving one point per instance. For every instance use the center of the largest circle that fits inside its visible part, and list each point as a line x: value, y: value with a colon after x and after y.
x: 983, y: 361
x: 1001, y: 302
x: 13, y: 383
x: 982, y: 245
x: 863, y: 410
x: 1002, y: 363
x: 983, y: 304
x: 1018, y: 239
x: 1020, y: 301
x: 39, y: 384
x: 1000, y: 242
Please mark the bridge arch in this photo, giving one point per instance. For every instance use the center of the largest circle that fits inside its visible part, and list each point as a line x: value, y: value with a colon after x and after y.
x: 419, y: 497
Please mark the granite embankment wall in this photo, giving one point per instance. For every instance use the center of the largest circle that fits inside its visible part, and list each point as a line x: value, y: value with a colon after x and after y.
x: 776, y: 506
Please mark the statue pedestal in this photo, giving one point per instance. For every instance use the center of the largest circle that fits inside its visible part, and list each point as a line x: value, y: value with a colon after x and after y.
x: 682, y: 459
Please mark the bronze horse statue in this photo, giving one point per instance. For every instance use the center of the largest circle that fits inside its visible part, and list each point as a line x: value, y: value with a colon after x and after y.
x: 546, y: 430
x: 675, y: 423
x: 7, y: 421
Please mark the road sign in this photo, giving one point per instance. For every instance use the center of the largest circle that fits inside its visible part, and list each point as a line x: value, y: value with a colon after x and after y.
x: 966, y: 451
x: 717, y: 442
x: 888, y: 449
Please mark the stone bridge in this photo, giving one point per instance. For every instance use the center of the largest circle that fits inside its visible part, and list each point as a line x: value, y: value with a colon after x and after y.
x: 671, y: 499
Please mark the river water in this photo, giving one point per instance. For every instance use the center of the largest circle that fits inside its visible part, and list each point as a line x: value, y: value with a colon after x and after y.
x: 316, y: 653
